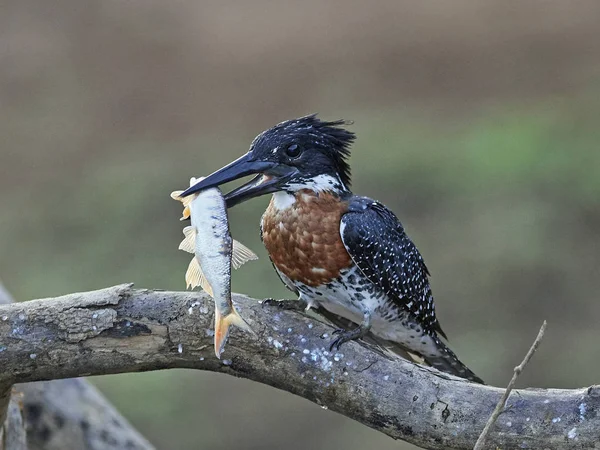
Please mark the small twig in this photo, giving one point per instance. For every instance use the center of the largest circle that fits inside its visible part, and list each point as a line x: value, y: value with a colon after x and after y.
x: 500, y: 406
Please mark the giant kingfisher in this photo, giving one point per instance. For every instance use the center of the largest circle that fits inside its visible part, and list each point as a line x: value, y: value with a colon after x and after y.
x: 347, y: 254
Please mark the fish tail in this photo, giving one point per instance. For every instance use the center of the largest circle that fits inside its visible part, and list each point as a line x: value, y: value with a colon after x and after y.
x: 222, y: 324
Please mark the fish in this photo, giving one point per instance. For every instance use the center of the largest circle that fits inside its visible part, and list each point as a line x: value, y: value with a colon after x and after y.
x: 215, y: 253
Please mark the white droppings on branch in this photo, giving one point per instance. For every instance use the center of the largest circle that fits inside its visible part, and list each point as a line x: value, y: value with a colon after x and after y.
x: 360, y: 383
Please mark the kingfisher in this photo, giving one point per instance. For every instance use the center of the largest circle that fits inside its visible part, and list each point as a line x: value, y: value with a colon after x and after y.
x: 347, y: 254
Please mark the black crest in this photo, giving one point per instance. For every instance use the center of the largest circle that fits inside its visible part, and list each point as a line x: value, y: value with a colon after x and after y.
x: 328, y: 137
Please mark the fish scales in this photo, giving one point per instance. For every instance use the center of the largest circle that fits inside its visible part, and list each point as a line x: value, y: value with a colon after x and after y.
x: 215, y: 253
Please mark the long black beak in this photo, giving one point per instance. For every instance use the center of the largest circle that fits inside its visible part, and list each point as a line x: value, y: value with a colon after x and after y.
x: 270, y: 179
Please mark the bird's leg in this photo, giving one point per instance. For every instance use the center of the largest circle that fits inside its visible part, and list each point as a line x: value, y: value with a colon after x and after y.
x: 286, y: 304
x: 356, y: 333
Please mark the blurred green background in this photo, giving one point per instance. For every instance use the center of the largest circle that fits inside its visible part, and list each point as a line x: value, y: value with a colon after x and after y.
x: 477, y: 124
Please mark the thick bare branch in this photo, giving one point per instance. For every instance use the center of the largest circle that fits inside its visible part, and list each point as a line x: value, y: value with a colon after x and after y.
x: 12, y: 428
x: 121, y: 329
x: 65, y: 414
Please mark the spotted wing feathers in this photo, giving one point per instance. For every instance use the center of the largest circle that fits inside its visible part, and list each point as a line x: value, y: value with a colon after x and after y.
x: 378, y: 245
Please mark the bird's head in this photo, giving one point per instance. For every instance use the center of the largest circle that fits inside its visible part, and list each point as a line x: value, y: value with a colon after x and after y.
x: 304, y: 153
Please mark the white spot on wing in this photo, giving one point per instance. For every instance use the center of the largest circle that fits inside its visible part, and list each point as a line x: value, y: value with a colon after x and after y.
x: 342, y: 228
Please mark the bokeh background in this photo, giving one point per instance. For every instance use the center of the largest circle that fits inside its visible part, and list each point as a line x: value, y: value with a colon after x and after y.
x: 477, y: 123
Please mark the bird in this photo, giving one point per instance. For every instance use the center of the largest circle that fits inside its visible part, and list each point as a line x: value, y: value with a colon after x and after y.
x: 338, y: 251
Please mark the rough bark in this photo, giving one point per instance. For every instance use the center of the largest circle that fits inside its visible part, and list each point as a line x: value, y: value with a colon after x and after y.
x: 65, y: 414
x: 121, y: 329
x: 12, y: 429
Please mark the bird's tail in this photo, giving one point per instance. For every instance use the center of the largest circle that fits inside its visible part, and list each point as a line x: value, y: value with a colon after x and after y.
x: 435, y: 353
x: 442, y: 359
x: 447, y: 361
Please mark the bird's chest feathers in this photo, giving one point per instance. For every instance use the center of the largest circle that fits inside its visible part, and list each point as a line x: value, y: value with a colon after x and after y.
x: 302, y: 235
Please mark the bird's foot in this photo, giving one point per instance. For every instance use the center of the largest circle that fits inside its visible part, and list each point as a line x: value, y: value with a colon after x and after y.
x: 345, y: 336
x: 285, y: 304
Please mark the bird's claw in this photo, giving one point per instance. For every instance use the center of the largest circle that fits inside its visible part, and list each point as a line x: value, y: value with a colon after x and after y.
x: 336, y: 344
x: 268, y: 301
x: 345, y: 336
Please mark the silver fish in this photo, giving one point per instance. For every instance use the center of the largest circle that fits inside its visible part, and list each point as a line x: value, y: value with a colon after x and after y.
x: 215, y: 253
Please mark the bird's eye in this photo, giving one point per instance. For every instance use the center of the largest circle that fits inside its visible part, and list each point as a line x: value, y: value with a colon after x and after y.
x: 293, y: 151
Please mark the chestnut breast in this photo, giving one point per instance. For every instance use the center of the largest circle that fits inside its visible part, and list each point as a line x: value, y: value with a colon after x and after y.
x: 303, y: 239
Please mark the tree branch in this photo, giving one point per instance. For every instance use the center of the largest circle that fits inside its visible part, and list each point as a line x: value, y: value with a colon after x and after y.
x: 66, y: 414
x: 12, y: 428
x: 121, y: 329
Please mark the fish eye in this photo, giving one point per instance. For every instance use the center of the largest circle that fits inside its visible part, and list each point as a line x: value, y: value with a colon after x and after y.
x: 293, y: 151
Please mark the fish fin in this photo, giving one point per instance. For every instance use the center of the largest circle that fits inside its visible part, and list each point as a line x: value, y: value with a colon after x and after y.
x: 195, y: 180
x: 222, y: 324
x: 194, y: 277
x: 186, y: 213
x: 176, y: 195
x: 241, y: 255
x: 189, y: 242
x: 186, y: 202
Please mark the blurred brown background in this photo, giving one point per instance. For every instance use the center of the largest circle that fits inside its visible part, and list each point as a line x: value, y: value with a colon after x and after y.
x: 477, y: 124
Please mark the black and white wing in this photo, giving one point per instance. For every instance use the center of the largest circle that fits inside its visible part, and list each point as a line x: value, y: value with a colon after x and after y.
x: 378, y: 245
